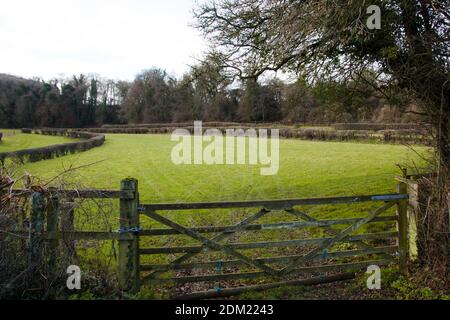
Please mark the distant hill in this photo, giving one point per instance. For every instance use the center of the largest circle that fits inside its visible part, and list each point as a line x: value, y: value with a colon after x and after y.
x: 8, y: 78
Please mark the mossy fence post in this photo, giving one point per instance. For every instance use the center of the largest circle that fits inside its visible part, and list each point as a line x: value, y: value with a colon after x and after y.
x: 402, y: 208
x: 415, y: 191
x: 129, y: 276
x: 52, y: 229
x: 36, y: 228
x: 66, y: 222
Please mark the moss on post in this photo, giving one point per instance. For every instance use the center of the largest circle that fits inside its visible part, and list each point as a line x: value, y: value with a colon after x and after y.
x: 402, y: 207
x: 129, y: 277
x: 52, y: 229
x: 36, y: 228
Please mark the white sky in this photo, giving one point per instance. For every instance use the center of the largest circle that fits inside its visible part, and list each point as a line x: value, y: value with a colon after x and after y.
x: 112, y: 38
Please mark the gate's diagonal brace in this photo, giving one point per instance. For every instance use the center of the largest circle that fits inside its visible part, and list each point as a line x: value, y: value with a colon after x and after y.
x: 302, y: 215
x: 225, y: 234
x: 211, y: 244
x: 340, y: 236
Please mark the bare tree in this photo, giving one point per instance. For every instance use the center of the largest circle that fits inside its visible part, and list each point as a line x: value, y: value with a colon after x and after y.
x: 332, y: 39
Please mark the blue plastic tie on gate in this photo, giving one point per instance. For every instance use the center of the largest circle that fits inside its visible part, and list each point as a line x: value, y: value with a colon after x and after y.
x: 219, y: 270
x: 324, y: 256
x: 134, y: 230
x: 390, y: 197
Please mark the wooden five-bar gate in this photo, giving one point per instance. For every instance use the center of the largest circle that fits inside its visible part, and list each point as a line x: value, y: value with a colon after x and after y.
x: 320, y: 257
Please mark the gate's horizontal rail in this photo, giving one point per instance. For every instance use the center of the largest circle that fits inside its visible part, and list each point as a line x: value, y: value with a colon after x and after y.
x: 81, y: 194
x: 273, y: 204
x: 267, y: 226
x: 73, y: 235
x: 258, y: 274
x: 270, y: 244
x: 100, y: 235
x: 272, y: 260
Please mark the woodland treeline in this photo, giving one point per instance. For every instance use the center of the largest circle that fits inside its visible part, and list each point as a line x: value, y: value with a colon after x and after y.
x: 204, y: 93
x: 75, y: 102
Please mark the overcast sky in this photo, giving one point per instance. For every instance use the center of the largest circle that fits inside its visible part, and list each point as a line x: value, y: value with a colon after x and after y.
x: 112, y: 38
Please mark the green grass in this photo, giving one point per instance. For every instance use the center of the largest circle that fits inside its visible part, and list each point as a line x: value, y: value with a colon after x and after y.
x: 307, y: 169
x: 13, y: 140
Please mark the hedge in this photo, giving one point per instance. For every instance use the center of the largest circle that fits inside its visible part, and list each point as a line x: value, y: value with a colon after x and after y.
x: 336, y: 126
x: 411, y: 136
x: 157, y: 130
x: 184, y: 124
x: 1, y: 136
x: 91, y: 140
x: 377, y: 126
x: 117, y: 130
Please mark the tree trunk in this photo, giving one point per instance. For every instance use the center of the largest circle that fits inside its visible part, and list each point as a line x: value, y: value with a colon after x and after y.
x: 441, y: 224
x: 433, y: 222
x: 425, y: 74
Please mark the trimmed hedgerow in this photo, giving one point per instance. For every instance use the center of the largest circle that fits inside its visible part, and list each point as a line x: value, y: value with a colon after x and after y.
x: 411, y: 136
x: 376, y: 126
x: 405, y: 136
x: 385, y: 136
x: 183, y: 124
x: 117, y: 130
x: 91, y: 140
x: 336, y: 126
x: 325, y: 135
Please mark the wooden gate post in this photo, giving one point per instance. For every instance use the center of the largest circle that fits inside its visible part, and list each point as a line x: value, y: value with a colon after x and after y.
x: 52, y: 229
x: 67, y: 224
x: 402, y: 207
x: 36, y: 228
x: 414, y: 190
x: 129, y: 275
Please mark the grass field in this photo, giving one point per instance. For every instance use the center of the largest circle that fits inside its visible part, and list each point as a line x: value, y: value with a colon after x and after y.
x: 14, y: 140
x: 307, y: 169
